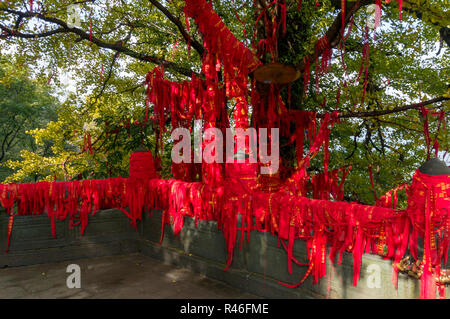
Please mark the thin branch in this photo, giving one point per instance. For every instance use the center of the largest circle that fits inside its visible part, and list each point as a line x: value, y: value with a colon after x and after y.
x: 334, y: 31
x: 394, y: 110
x: 400, y: 125
x: 355, y: 142
x: 196, y: 45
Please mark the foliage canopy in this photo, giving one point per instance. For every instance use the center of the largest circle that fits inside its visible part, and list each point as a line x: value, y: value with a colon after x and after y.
x: 106, y: 64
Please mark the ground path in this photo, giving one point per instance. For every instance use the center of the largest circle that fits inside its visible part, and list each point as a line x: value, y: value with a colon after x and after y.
x: 124, y: 276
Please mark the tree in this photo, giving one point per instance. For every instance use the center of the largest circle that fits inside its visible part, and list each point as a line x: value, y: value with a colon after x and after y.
x: 25, y: 104
x: 118, y: 42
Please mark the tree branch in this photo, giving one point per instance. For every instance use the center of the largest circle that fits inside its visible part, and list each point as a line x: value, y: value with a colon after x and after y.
x: 6, y: 145
x: 394, y: 110
x: 439, y: 21
x: 117, y: 46
x: 3, y: 148
x: 108, y: 77
x: 9, y: 32
x: 195, y: 44
x: 400, y: 125
x: 334, y: 31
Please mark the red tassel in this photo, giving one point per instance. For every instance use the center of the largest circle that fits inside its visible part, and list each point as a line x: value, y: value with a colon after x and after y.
x: 366, y: 71
x: 426, y: 130
x: 377, y: 13
x: 308, y: 271
x: 10, y: 227
x: 189, y: 47
x: 338, y: 96
x: 84, y: 143
x: 289, y: 95
x: 90, y: 143
x: 186, y: 19
x: 283, y: 16
x: 428, y: 286
x: 173, y: 49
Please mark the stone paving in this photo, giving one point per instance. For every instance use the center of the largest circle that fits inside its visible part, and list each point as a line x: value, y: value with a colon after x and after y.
x: 124, y: 276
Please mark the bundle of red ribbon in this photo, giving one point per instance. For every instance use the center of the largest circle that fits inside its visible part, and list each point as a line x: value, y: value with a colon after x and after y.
x: 429, y: 209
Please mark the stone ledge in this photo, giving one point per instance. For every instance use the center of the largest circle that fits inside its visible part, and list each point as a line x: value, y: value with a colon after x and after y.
x: 57, y: 254
x: 256, y: 268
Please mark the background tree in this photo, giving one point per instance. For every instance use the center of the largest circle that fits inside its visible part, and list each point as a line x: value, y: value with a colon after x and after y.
x: 25, y: 104
x: 118, y: 42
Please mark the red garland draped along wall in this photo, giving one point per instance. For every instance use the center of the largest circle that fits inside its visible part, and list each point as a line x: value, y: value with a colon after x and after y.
x: 342, y: 226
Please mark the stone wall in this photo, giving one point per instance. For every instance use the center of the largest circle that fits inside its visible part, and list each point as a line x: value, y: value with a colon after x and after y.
x: 256, y: 268
x: 260, y: 264
x: 108, y: 233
